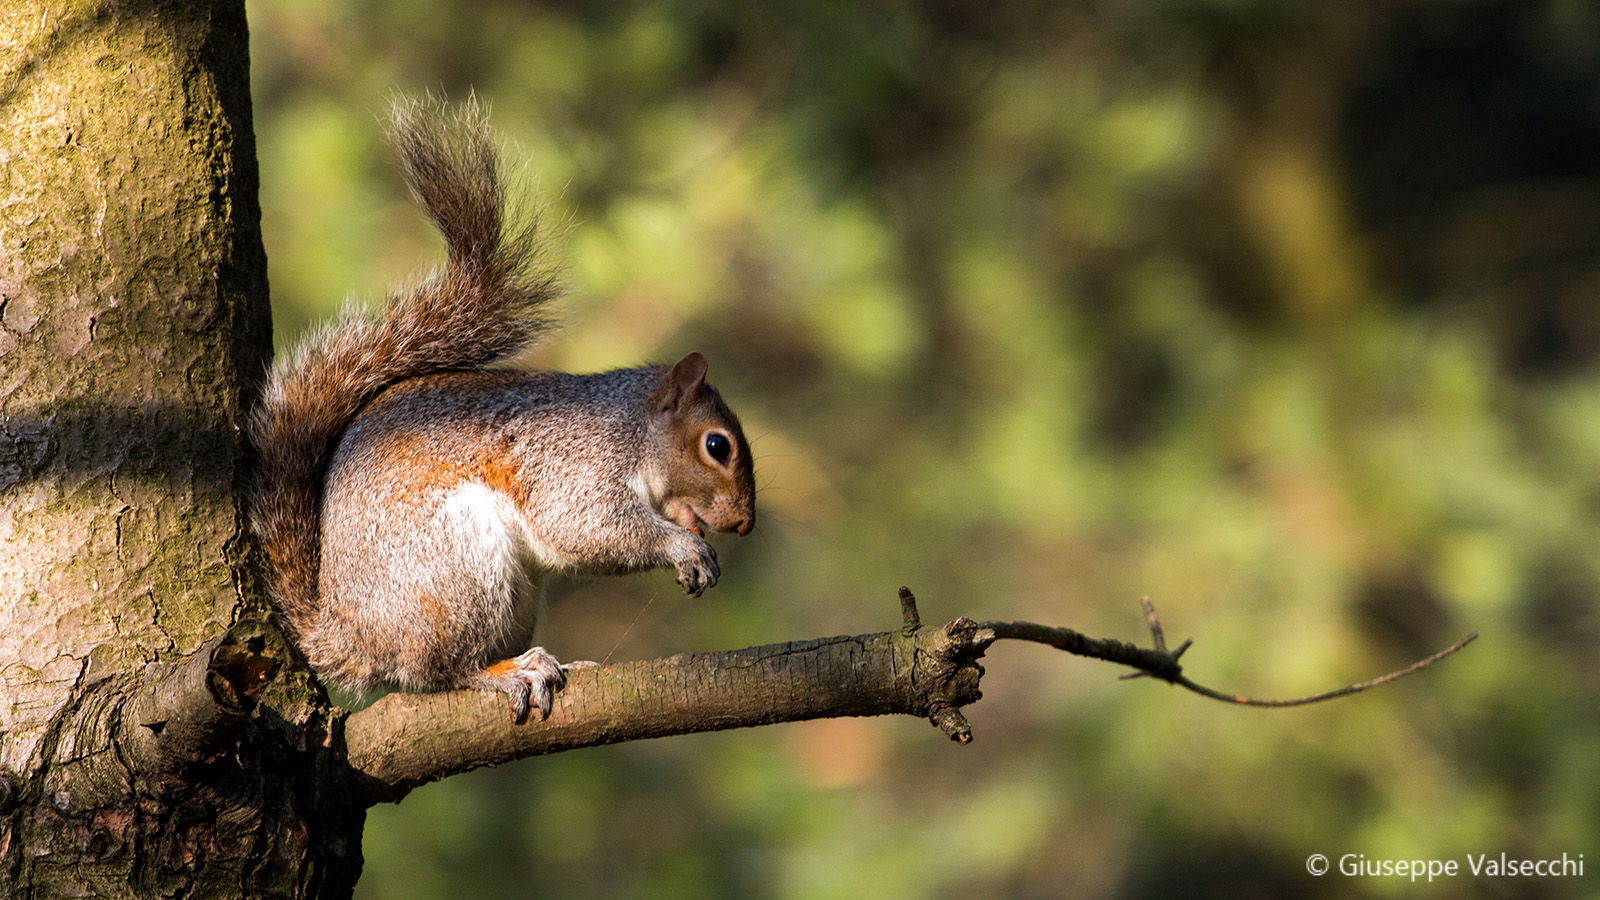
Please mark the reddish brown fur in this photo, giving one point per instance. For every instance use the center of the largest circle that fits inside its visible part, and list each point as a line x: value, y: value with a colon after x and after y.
x: 487, y: 306
x: 500, y: 669
x: 498, y: 470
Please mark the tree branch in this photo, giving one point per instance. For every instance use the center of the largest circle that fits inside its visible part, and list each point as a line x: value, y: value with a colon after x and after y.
x: 405, y: 740
x: 189, y: 712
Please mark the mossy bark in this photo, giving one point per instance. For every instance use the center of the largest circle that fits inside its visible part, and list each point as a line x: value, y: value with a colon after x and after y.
x: 132, y: 318
x: 134, y: 330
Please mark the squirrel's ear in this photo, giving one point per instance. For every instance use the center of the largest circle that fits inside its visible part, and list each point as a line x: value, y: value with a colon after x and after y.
x: 684, y: 380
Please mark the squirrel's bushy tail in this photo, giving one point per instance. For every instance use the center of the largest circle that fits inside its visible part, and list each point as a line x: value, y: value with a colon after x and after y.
x: 488, y: 304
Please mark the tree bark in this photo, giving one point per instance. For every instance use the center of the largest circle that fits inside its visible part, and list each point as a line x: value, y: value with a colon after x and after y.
x: 134, y: 330
x: 405, y: 740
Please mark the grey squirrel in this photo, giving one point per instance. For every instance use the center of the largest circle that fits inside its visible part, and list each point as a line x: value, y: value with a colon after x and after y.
x: 413, y: 499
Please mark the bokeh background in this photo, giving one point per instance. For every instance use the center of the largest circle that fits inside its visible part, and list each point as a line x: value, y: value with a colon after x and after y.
x: 1286, y: 314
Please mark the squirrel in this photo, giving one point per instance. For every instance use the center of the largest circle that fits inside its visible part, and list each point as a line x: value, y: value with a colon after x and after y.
x: 414, y: 497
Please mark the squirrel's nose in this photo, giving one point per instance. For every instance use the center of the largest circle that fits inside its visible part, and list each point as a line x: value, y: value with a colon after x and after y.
x: 733, y: 519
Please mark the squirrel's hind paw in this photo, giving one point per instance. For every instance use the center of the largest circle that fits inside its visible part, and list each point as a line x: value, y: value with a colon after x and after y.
x: 529, y: 679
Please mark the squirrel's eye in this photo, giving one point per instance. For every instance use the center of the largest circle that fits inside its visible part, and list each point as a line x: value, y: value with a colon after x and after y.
x: 718, y: 447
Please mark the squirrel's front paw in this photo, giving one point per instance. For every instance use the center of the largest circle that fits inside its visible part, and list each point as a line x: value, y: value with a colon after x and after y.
x: 697, y: 565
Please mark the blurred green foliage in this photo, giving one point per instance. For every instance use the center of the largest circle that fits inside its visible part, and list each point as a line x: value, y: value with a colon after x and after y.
x: 1286, y: 314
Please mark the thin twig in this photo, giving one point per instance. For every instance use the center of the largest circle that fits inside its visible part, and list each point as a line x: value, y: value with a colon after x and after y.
x: 1158, y: 638
x: 908, y: 611
x: 1159, y: 662
x: 1329, y: 695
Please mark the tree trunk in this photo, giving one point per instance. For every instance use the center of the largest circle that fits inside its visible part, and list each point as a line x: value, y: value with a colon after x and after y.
x: 134, y: 330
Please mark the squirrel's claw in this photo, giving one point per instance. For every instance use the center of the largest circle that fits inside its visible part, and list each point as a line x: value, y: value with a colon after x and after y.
x: 527, y: 680
x: 694, y: 559
x: 699, y: 571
